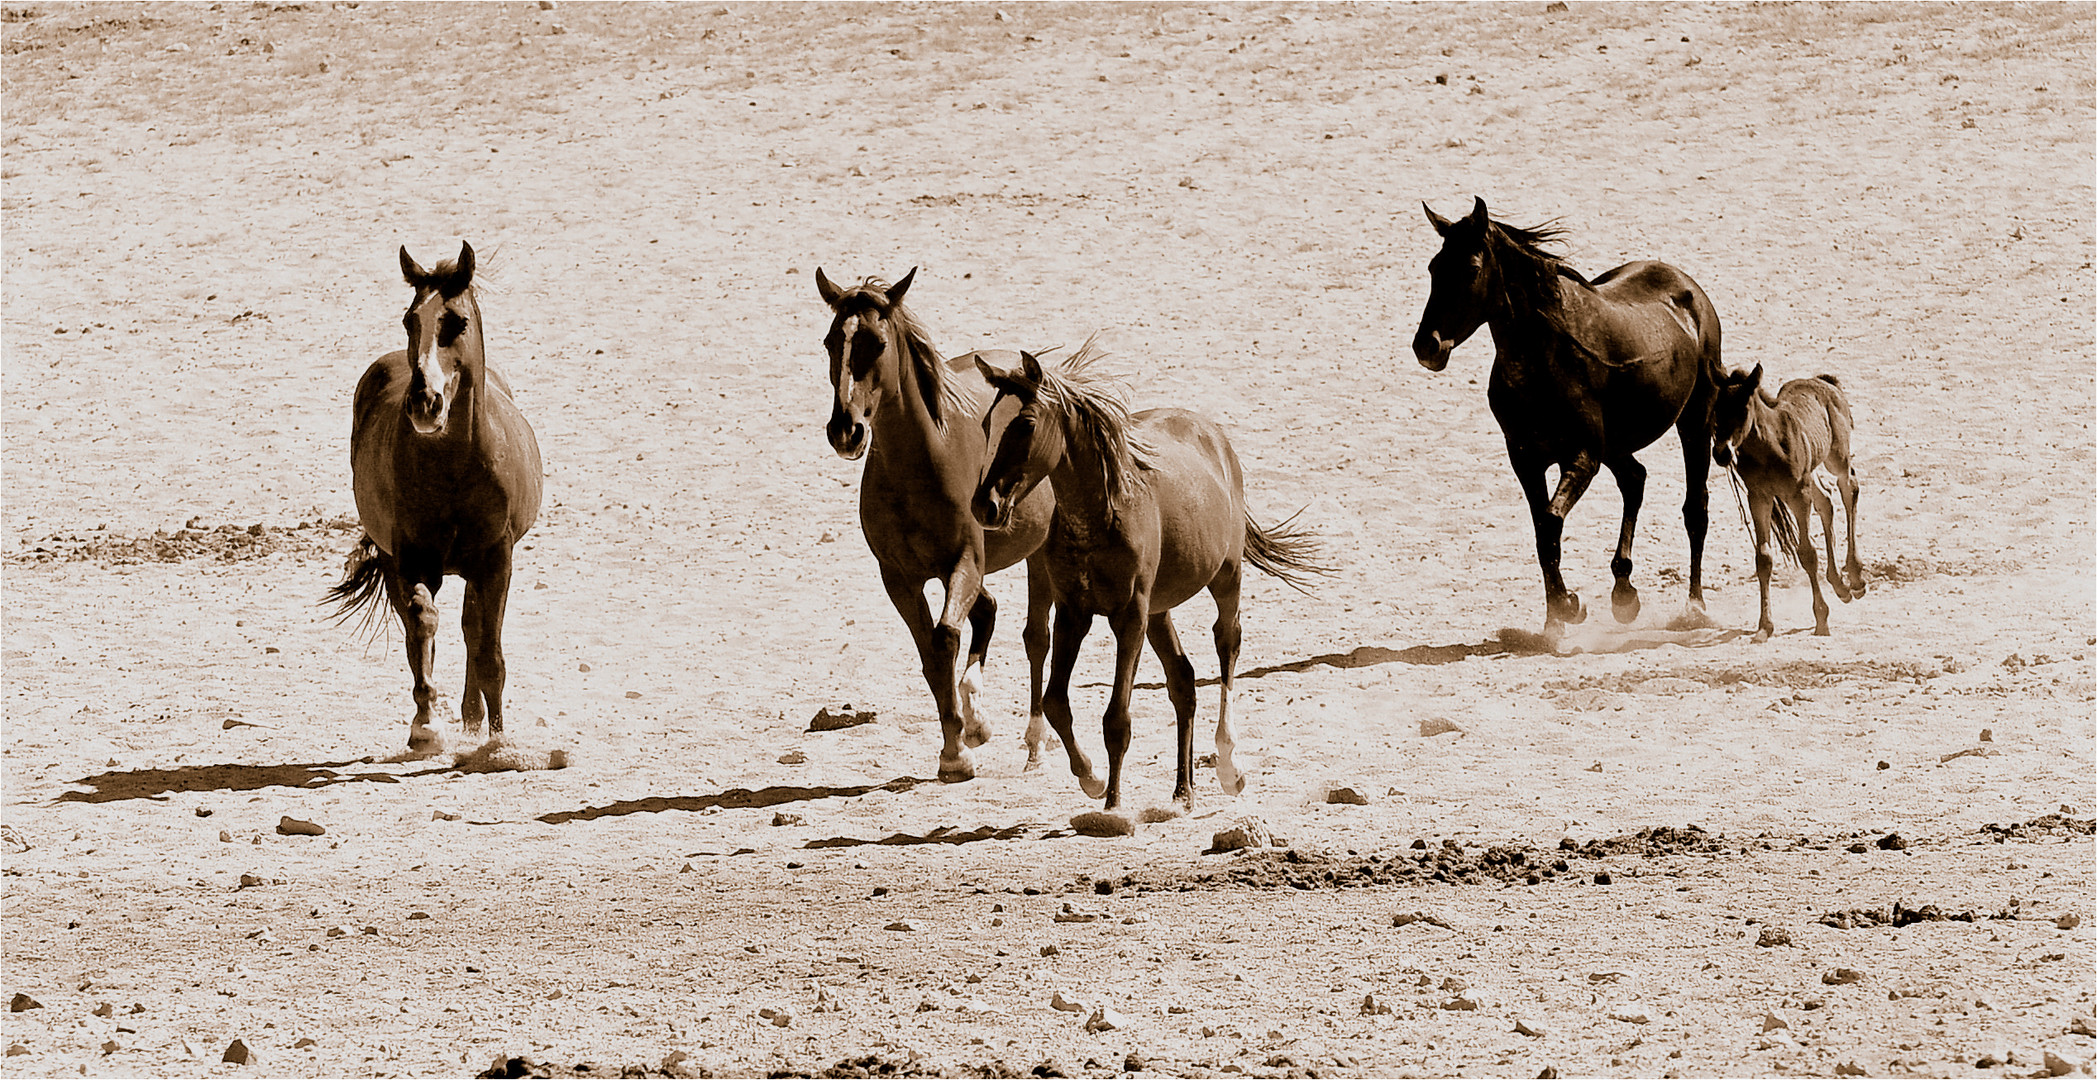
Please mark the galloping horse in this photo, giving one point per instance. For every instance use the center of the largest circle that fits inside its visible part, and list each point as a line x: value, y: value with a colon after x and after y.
x: 1585, y: 374
x: 1774, y: 445
x: 447, y: 479
x: 1150, y: 509
x: 926, y: 420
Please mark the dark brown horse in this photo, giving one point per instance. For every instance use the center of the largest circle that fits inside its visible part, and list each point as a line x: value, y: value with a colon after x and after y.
x: 920, y: 423
x: 1585, y: 374
x: 447, y: 479
x: 1150, y: 509
x: 1776, y: 446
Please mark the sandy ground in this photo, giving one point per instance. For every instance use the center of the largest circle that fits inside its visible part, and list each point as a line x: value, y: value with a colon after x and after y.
x: 202, y: 205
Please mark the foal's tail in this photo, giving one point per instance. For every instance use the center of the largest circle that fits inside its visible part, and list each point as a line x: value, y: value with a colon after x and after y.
x: 362, y: 585
x: 1287, y: 551
x: 1781, y: 525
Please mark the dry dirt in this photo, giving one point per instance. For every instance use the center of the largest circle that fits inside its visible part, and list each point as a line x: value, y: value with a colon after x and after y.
x: 202, y: 205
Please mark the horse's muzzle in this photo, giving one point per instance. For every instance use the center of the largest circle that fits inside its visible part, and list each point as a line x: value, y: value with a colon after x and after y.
x: 1722, y: 453
x: 848, y: 437
x: 427, y: 412
x: 992, y: 510
x: 1432, y: 350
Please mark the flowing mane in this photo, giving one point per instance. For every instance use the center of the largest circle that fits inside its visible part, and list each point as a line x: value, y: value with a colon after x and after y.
x: 943, y: 397
x: 1095, y: 416
x: 1529, y: 272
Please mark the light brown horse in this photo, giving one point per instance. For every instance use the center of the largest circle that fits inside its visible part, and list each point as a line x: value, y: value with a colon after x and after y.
x: 920, y: 422
x: 1150, y: 509
x: 1775, y: 446
x: 447, y: 478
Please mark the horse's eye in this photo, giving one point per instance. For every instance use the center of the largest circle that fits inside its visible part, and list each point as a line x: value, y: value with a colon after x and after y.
x: 450, y: 327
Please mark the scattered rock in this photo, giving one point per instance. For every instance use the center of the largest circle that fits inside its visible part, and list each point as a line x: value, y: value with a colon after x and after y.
x: 413, y: 915
x: 1102, y: 823
x: 24, y: 1003
x: 16, y: 1050
x: 1347, y: 796
x: 236, y: 1053
x: 1407, y: 918
x: 2083, y: 1025
x: 1892, y: 842
x: 793, y: 757
x: 439, y: 815
x: 777, y: 1017
x: 2057, y: 1065
x: 1987, y: 735
x: 1105, y: 1019
x: 1596, y: 767
x: 1460, y: 1004
x: 291, y: 826
x: 1842, y: 976
x: 1436, y: 725
x: 1374, y: 1006
x: 782, y: 818
x: 251, y: 881
x: 1850, y: 1068
x: 1632, y: 1016
x: 1064, y: 1004
x: 2068, y: 922
x: 1070, y: 914
x: 904, y: 925
x: 1883, y: 766
x: 1773, y: 936
x: 1244, y: 833
x: 845, y: 716
x: 1772, y: 1022
x: 1553, y: 8
x: 1523, y: 1027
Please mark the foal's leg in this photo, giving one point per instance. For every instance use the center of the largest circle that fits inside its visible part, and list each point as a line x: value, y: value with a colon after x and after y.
x: 1826, y: 509
x: 413, y: 594
x: 1560, y: 606
x: 936, y: 646
x: 480, y: 614
x: 1071, y: 626
x: 982, y: 619
x: 1224, y: 590
x: 1801, y: 508
x: 1128, y: 625
x: 1037, y: 638
x: 1631, y: 482
x: 1179, y: 683
x: 1759, y: 505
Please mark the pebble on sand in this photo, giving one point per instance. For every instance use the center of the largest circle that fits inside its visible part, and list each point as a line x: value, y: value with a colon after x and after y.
x: 291, y: 826
x: 1246, y: 832
x: 1105, y: 1019
x: 24, y: 1003
x: 1437, y: 725
x: 1102, y: 823
x: 1346, y: 796
x: 236, y: 1053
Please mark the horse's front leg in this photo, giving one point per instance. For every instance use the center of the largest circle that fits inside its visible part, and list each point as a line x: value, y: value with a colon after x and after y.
x: 413, y: 593
x: 1694, y: 429
x: 982, y: 620
x: 1759, y: 511
x: 1129, y: 626
x: 1037, y: 638
x: 936, y: 649
x: 1561, y: 606
x: 1071, y: 626
x: 1631, y: 483
x: 480, y: 616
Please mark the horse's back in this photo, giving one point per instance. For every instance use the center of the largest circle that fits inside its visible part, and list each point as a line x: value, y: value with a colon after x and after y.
x: 1648, y: 284
x: 1821, y: 410
x: 1199, y: 490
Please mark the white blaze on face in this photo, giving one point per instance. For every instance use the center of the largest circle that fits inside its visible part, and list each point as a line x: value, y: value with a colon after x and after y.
x: 439, y: 367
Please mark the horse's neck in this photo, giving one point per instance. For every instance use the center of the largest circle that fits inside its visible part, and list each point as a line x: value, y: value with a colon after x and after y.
x: 1080, y: 479
x: 904, y: 424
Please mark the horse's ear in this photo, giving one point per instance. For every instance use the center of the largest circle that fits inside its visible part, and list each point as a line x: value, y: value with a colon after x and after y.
x: 1440, y: 223
x: 1754, y: 378
x: 1478, y: 210
x: 1030, y: 367
x: 461, y: 274
x: 411, y: 270
x: 829, y: 292
x: 997, y: 379
x: 896, y: 291
x: 465, y: 273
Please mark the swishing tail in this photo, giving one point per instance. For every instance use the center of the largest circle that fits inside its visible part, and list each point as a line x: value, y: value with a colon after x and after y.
x: 1781, y: 526
x: 362, y: 586
x: 1287, y: 551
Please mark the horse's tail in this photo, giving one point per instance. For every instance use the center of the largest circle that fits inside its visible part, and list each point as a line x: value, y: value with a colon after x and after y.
x: 1784, y: 529
x: 1830, y: 380
x: 1287, y: 551
x: 362, y: 585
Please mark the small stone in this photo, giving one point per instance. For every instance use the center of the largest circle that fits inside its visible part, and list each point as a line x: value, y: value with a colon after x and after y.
x: 236, y: 1053
x: 1407, y: 918
x: 1347, y: 796
x: 339, y: 931
x: 16, y: 1050
x: 1773, y: 936
x: 1842, y: 976
x: 1064, y: 1004
x: 1437, y: 725
x: 1772, y: 1022
x: 2057, y: 1065
x: 291, y: 826
x: 1987, y: 735
x: 782, y: 818
x: 250, y: 881
x: 1523, y: 1027
x: 1892, y: 842
x: 1596, y: 767
x: 109, y: 1046
x: 903, y: 925
x: 1460, y: 1004
x: 1883, y: 766
x: 106, y: 1009
x: 1850, y: 1068
x: 2083, y: 1025
x: 793, y: 757
x: 439, y: 815
x: 2068, y: 922
x: 24, y: 1003
x: 1632, y: 1017
x: 1244, y: 833
x: 1373, y: 1006
x: 1050, y: 950
x: 1070, y: 914
x: 303, y: 1043
x: 203, y: 811
x: 225, y: 837
x: 1603, y: 879
x: 845, y: 717
x: 1105, y: 1019
x: 413, y: 915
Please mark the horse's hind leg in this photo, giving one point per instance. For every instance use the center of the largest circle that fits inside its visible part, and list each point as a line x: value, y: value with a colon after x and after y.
x: 1224, y: 590
x: 1801, y: 506
x: 1037, y: 638
x: 982, y: 619
x: 1631, y: 482
x: 1847, y: 483
x: 1071, y: 627
x: 1826, y: 509
x: 1179, y: 684
x: 1694, y: 429
x: 414, y: 599
x: 481, y: 615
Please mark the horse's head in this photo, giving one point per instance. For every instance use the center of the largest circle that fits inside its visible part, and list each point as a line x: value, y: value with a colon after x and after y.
x: 1736, y: 392
x: 1030, y: 448
x: 1460, y: 298
x: 863, y: 347
x: 444, y: 336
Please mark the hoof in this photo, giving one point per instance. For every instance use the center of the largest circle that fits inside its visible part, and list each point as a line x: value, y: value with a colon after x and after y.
x: 957, y: 769
x: 424, y: 741
x: 1093, y: 786
x: 1762, y: 635
x: 1624, y: 602
x: 974, y: 735
x: 1229, y: 778
x: 974, y: 732
x: 1033, y: 763
x: 1856, y: 586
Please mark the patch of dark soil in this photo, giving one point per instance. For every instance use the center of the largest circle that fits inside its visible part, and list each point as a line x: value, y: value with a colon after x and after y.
x: 1650, y: 842
x: 1901, y: 915
x: 873, y: 1065
x: 511, y: 1068
x: 2052, y: 826
x: 1794, y: 675
x: 222, y: 543
x: 1513, y: 864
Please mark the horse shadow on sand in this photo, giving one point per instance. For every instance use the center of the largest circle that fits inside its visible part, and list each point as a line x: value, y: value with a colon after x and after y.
x: 158, y: 784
